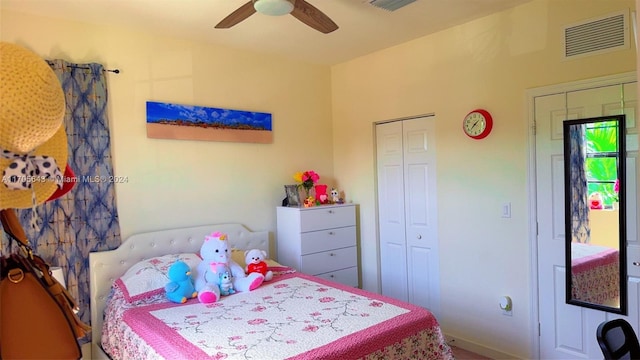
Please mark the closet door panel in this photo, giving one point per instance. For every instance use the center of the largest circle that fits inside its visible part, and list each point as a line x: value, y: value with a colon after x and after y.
x: 420, y: 284
x: 393, y: 253
x: 417, y: 198
x: 394, y: 270
x: 420, y: 188
x: 421, y: 212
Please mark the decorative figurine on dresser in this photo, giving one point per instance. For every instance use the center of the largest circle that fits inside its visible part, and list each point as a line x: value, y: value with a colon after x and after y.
x: 320, y: 241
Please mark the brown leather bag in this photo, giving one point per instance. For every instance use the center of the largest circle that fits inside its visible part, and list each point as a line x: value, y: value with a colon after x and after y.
x: 37, y: 318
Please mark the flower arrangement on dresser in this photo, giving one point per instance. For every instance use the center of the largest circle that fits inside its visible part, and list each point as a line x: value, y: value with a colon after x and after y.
x: 308, y: 180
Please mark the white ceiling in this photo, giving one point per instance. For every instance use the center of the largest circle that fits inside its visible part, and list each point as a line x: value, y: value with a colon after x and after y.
x: 363, y: 28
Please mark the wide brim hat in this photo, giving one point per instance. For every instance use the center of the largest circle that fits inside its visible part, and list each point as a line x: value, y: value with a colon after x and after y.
x: 32, y: 109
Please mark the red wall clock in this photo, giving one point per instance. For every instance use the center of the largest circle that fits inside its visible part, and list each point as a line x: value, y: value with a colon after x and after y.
x: 477, y: 124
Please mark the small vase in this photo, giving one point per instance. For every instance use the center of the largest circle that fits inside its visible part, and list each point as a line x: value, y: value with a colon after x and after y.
x: 306, y: 192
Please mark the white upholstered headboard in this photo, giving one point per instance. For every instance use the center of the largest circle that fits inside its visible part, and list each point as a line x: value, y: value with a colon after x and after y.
x: 106, y: 266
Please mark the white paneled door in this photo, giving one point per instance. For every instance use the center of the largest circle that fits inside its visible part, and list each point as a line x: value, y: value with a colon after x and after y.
x: 407, y: 211
x: 568, y: 331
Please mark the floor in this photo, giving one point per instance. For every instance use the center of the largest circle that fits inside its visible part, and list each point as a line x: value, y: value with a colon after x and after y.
x: 462, y: 354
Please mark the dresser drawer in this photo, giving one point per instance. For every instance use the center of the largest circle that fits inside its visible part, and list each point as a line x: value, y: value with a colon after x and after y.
x: 323, y: 240
x: 320, y: 218
x: 347, y: 276
x: 327, y: 261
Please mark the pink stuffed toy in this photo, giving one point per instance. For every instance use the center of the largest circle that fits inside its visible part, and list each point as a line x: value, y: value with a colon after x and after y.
x: 321, y: 194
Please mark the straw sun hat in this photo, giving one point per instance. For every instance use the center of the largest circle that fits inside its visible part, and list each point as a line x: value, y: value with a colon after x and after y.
x: 33, y: 143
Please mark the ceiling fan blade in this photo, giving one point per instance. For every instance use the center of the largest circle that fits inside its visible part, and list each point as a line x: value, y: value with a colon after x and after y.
x: 237, y: 16
x: 313, y: 17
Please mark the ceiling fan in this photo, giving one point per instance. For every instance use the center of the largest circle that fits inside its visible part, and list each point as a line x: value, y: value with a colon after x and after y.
x: 300, y: 9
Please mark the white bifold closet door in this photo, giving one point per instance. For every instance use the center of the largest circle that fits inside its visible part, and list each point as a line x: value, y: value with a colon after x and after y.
x: 407, y: 211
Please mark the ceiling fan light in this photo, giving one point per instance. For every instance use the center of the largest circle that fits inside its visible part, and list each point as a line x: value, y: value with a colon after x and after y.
x: 273, y: 7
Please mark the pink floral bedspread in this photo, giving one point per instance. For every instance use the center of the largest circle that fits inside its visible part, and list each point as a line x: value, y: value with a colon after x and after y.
x: 595, y: 274
x: 294, y: 316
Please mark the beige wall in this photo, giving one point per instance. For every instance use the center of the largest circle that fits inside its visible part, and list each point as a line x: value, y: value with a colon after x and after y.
x: 181, y: 183
x: 323, y: 120
x: 488, y: 63
x: 604, y: 228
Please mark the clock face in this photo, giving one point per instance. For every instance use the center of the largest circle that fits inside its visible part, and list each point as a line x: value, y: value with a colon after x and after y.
x: 477, y: 124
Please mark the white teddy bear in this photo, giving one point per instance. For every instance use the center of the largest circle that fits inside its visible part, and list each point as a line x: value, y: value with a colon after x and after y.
x: 254, y: 259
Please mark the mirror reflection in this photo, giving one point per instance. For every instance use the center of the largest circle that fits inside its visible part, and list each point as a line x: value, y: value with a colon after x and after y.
x: 595, y: 213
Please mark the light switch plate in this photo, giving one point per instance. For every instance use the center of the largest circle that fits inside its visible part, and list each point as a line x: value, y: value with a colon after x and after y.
x: 506, y: 210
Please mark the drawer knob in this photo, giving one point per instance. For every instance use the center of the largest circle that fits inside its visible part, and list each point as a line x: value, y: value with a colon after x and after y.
x: 332, y: 254
x: 332, y: 276
x: 331, y: 232
x: 636, y: 263
x: 419, y: 236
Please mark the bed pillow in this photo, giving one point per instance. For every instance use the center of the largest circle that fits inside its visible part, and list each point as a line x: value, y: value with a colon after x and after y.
x: 148, y: 277
x: 237, y: 255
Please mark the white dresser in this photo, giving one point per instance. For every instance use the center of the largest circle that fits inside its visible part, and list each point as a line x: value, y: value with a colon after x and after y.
x: 320, y: 241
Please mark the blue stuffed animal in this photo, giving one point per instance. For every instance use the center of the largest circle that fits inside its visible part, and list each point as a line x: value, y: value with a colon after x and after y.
x: 180, y: 288
x: 226, y: 286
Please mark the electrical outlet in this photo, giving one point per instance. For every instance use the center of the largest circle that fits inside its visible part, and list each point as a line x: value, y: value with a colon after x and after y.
x: 506, y: 306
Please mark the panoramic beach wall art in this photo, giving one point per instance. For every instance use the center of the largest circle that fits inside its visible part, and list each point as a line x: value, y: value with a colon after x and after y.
x: 189, y: 122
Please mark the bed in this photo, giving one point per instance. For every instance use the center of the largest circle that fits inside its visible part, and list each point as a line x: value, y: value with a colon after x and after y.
x: 595, y: 274
x: 293, y: 316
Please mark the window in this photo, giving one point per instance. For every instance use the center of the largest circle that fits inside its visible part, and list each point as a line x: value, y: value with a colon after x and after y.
x: 602, y: 161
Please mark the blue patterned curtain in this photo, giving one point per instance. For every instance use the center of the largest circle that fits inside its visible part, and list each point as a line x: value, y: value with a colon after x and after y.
x: 85, y: 219
x: 580, y: 230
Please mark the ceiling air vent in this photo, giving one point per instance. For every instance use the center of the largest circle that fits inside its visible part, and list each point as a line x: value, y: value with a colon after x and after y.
x: 390, y: 5
x: 597, y: 36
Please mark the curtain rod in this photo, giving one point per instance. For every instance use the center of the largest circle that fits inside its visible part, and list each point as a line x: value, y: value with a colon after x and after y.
x: 115, y: 71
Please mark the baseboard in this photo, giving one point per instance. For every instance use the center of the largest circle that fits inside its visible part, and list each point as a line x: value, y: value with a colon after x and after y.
x: 477, y: 348
x: 86, y: 351
x: 97, y: 353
